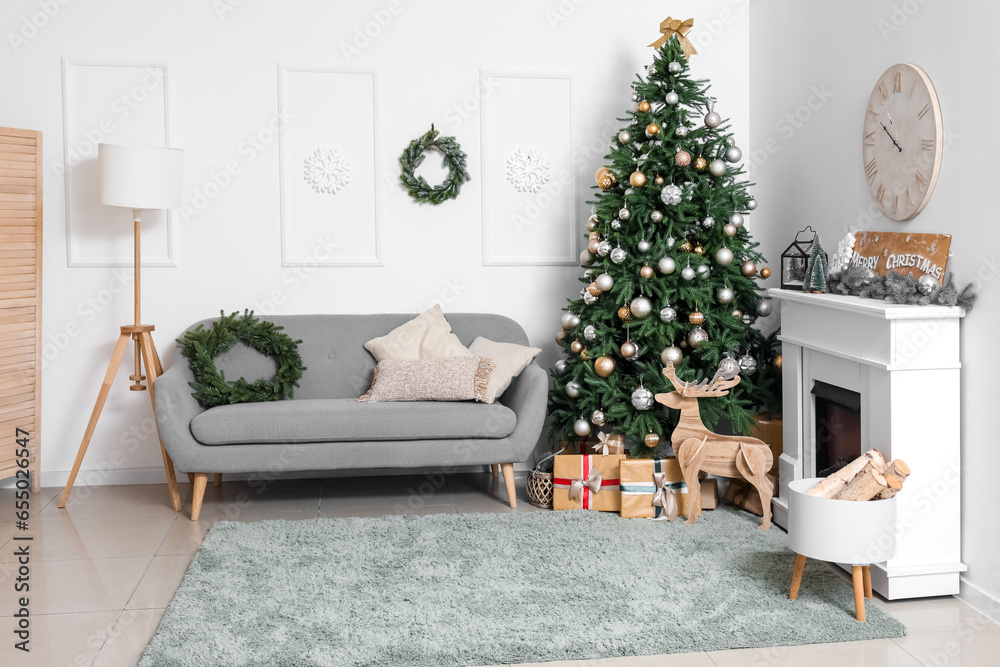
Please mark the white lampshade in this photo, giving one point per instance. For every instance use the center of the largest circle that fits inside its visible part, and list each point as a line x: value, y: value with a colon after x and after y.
x: 140, y: 177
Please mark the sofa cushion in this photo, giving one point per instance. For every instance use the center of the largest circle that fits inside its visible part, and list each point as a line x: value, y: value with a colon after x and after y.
x: 426, y: 336
x: 347, y: 420
x: 510, y: 359
x: 451, y: 379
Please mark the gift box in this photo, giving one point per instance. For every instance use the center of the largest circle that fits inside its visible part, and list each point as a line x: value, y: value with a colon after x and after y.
x: 744, y: 496
x: 615, y: 444
x: 653, y: 489
x: 587, y: 482
x: 768, y: 427
x: 709, y: 493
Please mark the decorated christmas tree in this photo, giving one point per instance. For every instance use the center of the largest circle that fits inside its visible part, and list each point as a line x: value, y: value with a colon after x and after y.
x: 671, y: 270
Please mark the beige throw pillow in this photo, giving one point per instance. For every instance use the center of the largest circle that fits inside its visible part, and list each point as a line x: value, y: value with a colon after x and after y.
x: 452, y: 379
x: 510, y: 359
x: 426, y: 336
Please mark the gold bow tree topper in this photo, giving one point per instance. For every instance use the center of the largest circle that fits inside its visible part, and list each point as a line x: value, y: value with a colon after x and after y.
x: 670, y: 27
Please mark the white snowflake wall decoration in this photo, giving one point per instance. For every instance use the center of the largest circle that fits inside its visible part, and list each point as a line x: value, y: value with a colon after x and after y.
x: 527, y: 170
x: 327, y: 170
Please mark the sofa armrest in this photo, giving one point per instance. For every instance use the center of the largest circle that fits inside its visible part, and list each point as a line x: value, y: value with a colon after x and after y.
x: 175, y: 408
x: 527, y: 396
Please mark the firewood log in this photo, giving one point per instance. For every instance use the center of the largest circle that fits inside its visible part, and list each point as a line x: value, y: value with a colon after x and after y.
x: 898, y: 471
x: 837, y: 483
x: 864, y: 486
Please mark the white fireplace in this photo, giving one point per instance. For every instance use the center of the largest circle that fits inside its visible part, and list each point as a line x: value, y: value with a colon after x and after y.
x: 902, y: 363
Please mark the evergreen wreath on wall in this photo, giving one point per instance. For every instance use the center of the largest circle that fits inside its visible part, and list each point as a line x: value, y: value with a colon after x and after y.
x: 454, y: 160
x: 201, y: 346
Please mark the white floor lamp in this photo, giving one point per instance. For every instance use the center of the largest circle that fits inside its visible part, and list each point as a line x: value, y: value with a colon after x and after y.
x: 139, y: 178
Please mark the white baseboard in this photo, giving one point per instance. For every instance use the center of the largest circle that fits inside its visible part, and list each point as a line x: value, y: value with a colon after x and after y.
x: 121, y: 477
x: 979, y: 599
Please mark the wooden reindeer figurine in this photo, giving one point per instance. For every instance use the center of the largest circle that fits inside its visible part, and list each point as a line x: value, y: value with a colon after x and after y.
x: 699, y: 449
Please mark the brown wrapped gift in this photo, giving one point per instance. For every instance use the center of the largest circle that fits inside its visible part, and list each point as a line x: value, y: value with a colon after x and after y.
x: 709, y: 493
x: 743, y: 495
x: 587, y: 482
x: 653, y: 488
x: 768, y: 427
x: 615, y: 445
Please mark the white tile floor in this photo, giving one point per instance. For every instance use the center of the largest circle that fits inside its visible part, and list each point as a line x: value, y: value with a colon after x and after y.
x: 104, y: 569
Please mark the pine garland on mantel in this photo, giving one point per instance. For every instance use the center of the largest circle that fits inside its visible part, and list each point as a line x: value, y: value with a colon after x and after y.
x: 895, y: 287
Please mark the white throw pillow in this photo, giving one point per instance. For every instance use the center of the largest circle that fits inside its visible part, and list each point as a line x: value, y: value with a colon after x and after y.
x: 510, y: 359
x: 426, y: 336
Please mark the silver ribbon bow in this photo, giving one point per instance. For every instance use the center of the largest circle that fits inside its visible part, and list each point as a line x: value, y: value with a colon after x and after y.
x: 664, y: 497
x: 593, y: 482
x: 602, y: 444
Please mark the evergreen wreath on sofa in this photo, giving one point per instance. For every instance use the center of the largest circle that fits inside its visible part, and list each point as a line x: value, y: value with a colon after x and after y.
x: 201, y: 346
x: 413, y: 157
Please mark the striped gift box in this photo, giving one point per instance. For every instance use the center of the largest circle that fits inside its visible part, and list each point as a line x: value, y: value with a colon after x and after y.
x: 639, y: 487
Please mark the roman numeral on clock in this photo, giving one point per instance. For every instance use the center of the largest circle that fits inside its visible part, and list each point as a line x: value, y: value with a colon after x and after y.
x: 927, y: 144
x: 921, y: 179
x: 909, y: 199
x: 923, y: 112
x: 871, y: 169
x: 897, y: 83
x: 880, y: 195
x: 882, y: 91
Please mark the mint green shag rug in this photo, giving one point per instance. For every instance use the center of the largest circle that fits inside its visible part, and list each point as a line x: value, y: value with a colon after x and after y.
x: 482, y: 589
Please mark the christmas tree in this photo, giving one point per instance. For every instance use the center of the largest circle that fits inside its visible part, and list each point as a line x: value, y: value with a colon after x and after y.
x: 672, y: 272
x: 816, y: 271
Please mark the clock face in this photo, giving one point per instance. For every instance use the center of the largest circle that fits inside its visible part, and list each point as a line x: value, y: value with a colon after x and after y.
x: 902, y: 142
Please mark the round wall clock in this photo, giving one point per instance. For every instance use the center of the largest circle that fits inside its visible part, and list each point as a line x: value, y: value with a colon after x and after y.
x: 903, y: 141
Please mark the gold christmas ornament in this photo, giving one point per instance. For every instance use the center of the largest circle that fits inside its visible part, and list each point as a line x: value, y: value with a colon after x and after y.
x: 624, y: 314
x: 605, y: 179
x: 670, y: 27
x: 594, y: 289
x: 637, y: 179
x: 652, y: 129
x: 776, y: 362
x: 561, y: 337
x: 698, y: 250
x: 584, y: 354
x: 576, y: 347
x: 592, y: 246
x: 604, y: 366
x: 595, y: 236
x: 697, y: 318
x: 729, y: 230
x: 659, y: 180
x: 700, y: 164
x: 646, y: 272
x: 644, y: 106
x: 738, y: 314
x: 685, y: 247
x: 765, y: 273
x: 651, y: 440
x: 748, y: 268
x: 682, y: 159
x: 628, y: 349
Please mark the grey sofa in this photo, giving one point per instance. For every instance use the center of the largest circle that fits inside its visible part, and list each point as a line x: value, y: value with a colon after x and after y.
x: 324, y: 427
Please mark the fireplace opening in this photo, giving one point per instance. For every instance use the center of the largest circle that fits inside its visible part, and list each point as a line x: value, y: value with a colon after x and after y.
x: 838, y: 427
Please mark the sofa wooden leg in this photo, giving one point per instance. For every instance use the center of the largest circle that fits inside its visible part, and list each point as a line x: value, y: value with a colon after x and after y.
x: 190, y: 478
x: 495, y: 467
x: 200, y: 482
x: 508, y: 480
x: 218, y: 479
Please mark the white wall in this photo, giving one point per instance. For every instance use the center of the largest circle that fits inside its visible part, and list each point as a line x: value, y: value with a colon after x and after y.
x: 224, y: 65
x: 809, y: 167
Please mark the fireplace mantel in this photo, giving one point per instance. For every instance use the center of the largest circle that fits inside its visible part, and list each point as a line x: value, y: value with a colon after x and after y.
x: 905, y: 363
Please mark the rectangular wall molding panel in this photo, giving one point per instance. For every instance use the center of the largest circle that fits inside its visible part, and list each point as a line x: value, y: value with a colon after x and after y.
x: 329, y: 186
x: 529, y: 194
x: 115, y: 102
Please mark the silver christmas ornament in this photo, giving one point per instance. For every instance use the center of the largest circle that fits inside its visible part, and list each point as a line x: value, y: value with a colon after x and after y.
x: 572, y: 389
x: 651, y: 70
x: 708, y: 222
x: 733, y: 154
x: 717, y: 168
x: 674, y: 67
x: 598, y: 417
x: 728, y: 368
x: 926, y: 284
x: 624, y: 137
x: 642, y: 399
x: 590, y: 333
x: 681, y: 131
x: 668, y: 314
x: 615, y: 224
x: 748, y: 364
x: 747, y: 319
x: 703, y: 271
x: 643, y: 246
x: 724, y: 255
x: 687, y: 273
x: 671, y: 355
x: 712, y: 118
x: 603, y: 248
x: 736, y: 219
x: 618, y: 255
x: 670, y: 242
x: 635, y: 96
x: 725, y: 295
x: 623, y: 214
x: 641, y: 307
x: 671, y: 98
x: 604, y: 282
x: 666, y: 265
x: 671, y: 194
x: 752, y: 205
x: 635, y: 353
x: 568, y: 321
x: 588, y: 298
x: 561, y: 366
x: 696, y: 337
x: 763, y: 308
x: 581, y: 427
x: 586, y: 259
x: 656, y: 216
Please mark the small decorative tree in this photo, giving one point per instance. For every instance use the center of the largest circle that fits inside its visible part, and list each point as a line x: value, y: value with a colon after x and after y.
x: 816, y: 271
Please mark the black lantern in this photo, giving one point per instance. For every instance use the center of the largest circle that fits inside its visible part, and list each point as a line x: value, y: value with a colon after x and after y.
x: 795, y: 259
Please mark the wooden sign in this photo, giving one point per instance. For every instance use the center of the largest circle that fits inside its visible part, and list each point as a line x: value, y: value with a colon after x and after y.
x: 905, y: 253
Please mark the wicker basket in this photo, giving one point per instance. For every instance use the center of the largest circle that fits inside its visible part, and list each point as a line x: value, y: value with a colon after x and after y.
x: 539, y: 484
